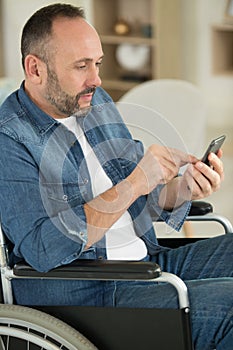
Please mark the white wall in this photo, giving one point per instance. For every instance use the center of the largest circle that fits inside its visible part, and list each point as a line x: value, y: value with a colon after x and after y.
x: 15, y: 14
x: 198, y: 17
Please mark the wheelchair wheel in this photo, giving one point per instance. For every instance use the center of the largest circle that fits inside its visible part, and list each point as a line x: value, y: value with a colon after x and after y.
x: 23, y: 328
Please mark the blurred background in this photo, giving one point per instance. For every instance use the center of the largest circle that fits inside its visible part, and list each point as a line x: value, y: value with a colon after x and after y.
x: 190, y: 40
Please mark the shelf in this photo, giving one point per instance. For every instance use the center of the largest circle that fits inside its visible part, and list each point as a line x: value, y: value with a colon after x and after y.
x: 223, y: 27
x: 117, y: 40
x: 225, y: 72
x: 222, y: 44
x: 159, y: 19
x: 119, y: 84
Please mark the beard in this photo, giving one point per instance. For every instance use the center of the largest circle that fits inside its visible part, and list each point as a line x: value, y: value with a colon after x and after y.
x: 65, y: 103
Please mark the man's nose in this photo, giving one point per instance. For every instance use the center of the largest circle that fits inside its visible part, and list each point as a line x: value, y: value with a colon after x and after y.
x: 93, y: 78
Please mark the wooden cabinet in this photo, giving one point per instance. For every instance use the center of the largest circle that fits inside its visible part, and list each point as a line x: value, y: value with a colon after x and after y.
x: 155, y: 24
x: 222, y: 44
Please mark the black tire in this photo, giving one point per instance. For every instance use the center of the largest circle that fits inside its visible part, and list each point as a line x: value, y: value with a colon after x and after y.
x: 33, y: 329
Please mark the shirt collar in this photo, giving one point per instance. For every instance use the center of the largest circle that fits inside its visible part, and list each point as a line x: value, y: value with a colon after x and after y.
x: 41, y: 120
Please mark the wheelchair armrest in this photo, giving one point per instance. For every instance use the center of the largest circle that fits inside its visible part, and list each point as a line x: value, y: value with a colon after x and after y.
x: 200, y: 208
x: 107, y: 270
x: 92, y: 269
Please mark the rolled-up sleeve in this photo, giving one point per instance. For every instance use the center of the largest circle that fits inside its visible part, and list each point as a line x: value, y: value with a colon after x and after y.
x: 174, y: 218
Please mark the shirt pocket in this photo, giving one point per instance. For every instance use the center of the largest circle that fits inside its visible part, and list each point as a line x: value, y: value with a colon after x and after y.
x: 62, y: 196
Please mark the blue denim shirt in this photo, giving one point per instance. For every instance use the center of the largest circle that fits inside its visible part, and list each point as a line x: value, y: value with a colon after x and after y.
x: 44, y: 181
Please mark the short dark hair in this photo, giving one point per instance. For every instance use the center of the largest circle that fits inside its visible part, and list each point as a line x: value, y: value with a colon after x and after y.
x: 38, y: 29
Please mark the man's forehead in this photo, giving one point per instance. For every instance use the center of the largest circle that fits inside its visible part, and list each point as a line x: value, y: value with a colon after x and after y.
x: 75, y: 33
x: 63, y: 26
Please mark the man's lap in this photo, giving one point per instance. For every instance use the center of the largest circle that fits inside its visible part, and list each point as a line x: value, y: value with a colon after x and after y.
x: 206, y: 259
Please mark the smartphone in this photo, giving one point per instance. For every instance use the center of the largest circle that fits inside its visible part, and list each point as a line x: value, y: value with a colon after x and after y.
x: 214, y: 146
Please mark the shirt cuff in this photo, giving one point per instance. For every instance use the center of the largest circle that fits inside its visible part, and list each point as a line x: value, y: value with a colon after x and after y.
x: 74, y: 224
x: 175, y: 217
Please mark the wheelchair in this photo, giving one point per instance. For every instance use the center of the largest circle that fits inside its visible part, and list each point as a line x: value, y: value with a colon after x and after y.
x: 83, y: 328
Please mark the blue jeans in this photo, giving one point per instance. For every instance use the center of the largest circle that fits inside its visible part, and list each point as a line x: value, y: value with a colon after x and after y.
x: 206, y: 266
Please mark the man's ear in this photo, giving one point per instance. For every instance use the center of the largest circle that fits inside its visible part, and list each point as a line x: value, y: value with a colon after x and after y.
x: 34, y: 68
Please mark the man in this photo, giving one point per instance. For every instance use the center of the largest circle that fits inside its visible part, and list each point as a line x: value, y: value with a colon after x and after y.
x: 74, y: 185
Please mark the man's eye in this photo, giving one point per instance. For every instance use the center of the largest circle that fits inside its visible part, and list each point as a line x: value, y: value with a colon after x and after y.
x: 98, y: 64
x: 82, y: 67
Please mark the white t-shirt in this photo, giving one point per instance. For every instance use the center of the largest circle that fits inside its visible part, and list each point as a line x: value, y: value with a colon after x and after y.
x: 122, y: 243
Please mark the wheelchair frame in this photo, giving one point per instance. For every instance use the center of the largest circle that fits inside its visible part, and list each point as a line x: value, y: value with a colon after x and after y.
x: 92, y: 321
x: 105, y: 270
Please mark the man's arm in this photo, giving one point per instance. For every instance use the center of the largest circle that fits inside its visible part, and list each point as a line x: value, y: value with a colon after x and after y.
x: 158, y: 166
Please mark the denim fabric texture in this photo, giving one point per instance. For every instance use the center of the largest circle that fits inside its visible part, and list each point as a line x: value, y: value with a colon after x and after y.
x: 206, y: 267
x: 44, y: 183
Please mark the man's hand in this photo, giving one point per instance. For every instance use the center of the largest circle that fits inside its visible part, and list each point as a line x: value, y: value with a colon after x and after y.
x: 158, y: 166
x: 202, y: 180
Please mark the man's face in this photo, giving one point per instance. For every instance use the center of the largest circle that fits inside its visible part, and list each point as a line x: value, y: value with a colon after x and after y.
x: 65, y: 103
x: 73, y: 71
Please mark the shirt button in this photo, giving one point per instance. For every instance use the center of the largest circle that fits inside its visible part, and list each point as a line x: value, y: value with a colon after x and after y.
x: 100, y: 257
x: 85, y: 181
x: 65, y: 197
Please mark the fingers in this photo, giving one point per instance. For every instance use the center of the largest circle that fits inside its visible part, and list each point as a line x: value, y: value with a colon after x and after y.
x: 161, y: 164
x: 175, y: 156
x: 202, y: 179
x: 170, y: 160
x: 216, y: 163
x: 181, y: 158
x: 158, y: 166
x: 219, y: 153
x: 204, y: 184
x: 214, y: 172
